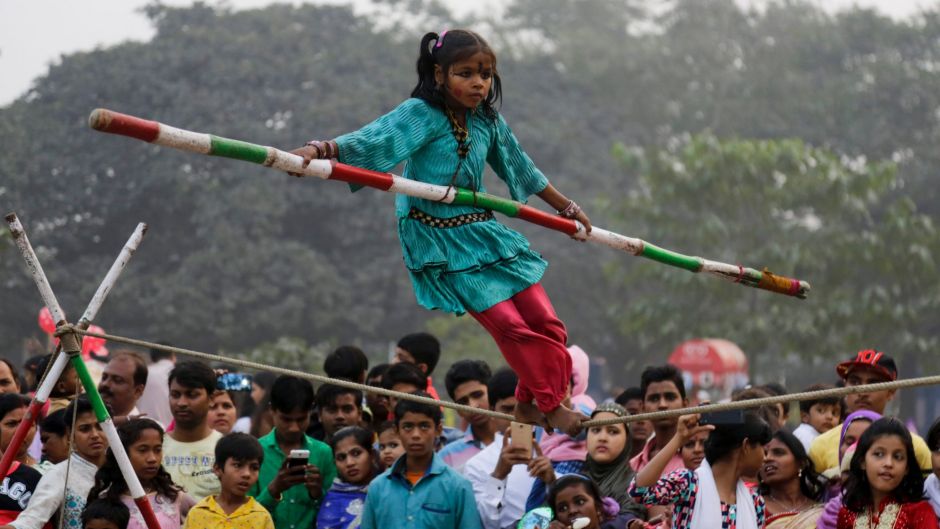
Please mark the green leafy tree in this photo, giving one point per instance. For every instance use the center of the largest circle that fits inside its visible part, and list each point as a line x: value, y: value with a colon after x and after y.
x: 804, y: 212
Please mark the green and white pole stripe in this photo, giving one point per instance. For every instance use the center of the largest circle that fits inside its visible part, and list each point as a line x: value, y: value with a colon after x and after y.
x: 154, y: 132
x: 72, y: 347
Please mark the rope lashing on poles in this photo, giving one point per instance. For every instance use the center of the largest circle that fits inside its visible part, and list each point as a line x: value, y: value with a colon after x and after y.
x: 709, y: 408
x: 160, y: 134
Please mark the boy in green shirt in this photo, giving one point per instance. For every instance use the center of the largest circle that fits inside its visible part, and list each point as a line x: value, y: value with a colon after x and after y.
x: 292, y: 494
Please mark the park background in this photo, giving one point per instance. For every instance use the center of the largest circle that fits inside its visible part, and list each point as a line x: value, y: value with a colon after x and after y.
x: 783, y: 134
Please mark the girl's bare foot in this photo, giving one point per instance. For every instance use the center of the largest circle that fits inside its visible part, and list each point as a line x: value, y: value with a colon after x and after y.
x: 528, y: 413
x: 566, y: 420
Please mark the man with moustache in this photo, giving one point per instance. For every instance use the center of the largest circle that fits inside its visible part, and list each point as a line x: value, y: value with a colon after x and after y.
x: 122, y: 383
x: 868, y: 367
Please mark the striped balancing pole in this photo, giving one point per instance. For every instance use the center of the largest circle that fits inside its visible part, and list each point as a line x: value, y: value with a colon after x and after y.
x: 158, y: 133
x: 71, y: 346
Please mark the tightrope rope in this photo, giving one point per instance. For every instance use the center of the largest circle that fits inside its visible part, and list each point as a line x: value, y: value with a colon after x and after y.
x: 284, y: 371
x: 708, y: 408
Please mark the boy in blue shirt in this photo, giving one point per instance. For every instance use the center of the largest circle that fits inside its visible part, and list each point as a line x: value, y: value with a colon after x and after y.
x: 420, y: 491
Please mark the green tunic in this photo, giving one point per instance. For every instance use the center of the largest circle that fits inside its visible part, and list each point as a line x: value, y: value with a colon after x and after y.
x: 470, y: 267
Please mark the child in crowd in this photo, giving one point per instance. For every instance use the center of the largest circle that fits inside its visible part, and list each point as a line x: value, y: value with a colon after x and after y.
x: 55, y: 444
x: 607, y: 465
x: 403, y: 378
x: 693, y: 451
x: 377, y: 404
x: 459, y: 257
x: 90, y: 446
x: 238, y: 458
x: 347, y: 362
x: 932, y: 483
x: 390, y: 446
x: 574, y: 496
x: 701, y: 497
x: 419, y: 491
x: 817, y: 416
x: 423, y: 351
x: 851, y: 431
x: 143, y: 440
x: 65, y: 388
x: 339, y: 407
x: 466, y: 382
x: 355, y: 467
x: 885, y: 486
x: 13, y: 408
x: 21, y: 479
x: 105, y: 514
x: 632, y: 401
x: 292, y: 493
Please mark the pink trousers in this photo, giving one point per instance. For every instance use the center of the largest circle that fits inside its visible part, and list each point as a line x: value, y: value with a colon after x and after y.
x: 532, y: 339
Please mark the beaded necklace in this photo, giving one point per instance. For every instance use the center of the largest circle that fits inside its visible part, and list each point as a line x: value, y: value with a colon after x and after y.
x: 462, y: 135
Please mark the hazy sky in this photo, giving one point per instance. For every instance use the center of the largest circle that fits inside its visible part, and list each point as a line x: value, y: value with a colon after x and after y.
x: 35, y: 33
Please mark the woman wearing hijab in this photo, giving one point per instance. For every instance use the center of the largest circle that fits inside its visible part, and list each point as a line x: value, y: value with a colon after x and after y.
x: 607, y: 464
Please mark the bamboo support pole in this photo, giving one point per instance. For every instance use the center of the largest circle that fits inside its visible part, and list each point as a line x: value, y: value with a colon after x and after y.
x: 61, y: 361
x: 70, y: 344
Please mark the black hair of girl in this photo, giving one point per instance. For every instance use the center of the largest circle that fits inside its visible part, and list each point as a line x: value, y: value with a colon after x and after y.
x: 362, y: 436
x: 856, y: 495
x: 12, y: 401
x: 810, y: 484
x: 725, y: 438
x: 455, y: 45
x: 109, y: 481
x: 572, y: 480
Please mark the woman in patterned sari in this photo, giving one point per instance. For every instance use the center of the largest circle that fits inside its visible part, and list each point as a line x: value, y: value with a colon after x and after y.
x: 789, y: 484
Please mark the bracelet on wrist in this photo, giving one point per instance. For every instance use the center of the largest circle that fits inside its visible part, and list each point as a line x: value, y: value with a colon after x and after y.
x: 571, y: 210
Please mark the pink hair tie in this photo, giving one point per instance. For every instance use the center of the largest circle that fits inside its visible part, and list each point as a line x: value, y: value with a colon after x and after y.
x: 440, y: 39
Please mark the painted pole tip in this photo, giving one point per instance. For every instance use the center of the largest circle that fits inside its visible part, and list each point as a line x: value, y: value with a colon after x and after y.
x: 10, y: 217
x: 99, y: 119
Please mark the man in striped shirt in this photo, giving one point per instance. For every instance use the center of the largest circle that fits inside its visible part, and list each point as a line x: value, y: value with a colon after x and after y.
x: 466, y: 382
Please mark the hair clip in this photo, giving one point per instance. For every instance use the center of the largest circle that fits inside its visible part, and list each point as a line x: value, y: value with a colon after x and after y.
x: 440, y: 39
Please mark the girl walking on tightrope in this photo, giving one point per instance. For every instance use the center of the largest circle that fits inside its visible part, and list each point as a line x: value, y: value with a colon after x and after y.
x: 460, y: 258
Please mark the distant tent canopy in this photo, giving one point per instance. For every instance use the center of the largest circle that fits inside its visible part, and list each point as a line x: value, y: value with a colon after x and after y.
x: 712, y: 364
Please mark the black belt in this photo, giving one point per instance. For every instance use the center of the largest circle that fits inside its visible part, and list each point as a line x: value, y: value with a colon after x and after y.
x: 451, y: 222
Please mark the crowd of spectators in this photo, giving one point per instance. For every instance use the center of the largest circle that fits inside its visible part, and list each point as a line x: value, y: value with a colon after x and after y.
x: 278, y: 452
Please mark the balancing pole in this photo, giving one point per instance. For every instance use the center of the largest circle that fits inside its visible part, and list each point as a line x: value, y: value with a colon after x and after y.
x: 71, y: 345
x: 154, y: 132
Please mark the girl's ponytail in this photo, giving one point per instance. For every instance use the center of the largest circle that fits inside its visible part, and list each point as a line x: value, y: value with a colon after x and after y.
x: 425, y: 66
